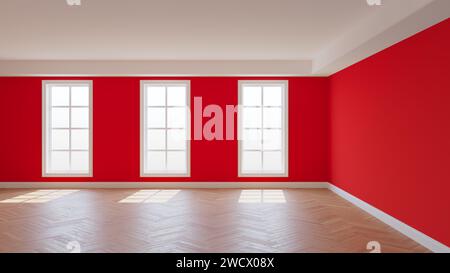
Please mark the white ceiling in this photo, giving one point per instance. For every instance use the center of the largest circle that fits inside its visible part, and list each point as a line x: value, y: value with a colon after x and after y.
x: 314, y: 32
x: 174, y: 29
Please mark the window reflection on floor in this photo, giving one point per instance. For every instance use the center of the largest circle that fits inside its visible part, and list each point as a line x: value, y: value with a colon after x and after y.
x: 150, y: 196
x: 39, y: 196
x: 262, y: 196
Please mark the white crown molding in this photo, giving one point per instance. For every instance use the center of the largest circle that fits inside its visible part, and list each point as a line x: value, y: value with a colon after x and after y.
x: 155, y: 68
x: 403, y: 228
x: 397, y: 23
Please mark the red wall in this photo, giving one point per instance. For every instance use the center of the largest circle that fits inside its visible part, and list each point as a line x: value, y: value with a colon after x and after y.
x: 116, y: 131
x: 390, y: 133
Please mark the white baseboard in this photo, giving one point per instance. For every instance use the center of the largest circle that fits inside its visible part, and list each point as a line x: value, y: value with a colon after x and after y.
x: 403, y: 228
x: 165, y: 185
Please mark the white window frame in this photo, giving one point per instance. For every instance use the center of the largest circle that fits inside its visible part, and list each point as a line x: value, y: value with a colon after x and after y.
x: 143, y: 121
x: 285, y: 124
x: 46, y: 130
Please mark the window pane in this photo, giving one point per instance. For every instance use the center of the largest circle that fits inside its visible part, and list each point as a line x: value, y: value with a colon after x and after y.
x: 272, y: 139
x: 272, y: 95
x: 60, y: 161
x: 60, y: 96
x: 156, y: 117
x: 79, y: 96
x: 176, y: 117
x: 80, y: 117
x: 60, y: 118
x: 60, y: 140
x: 156, y: 139
x: 80, y: 139
x: 251, y: 117
x: 251, y: 96
x: 176, y: 96
x: 273, y: 162
x: 176, y: 161
x: 272, y: 118
x: 80, y: 161
x: 156, y: 161
x: 251, y: 161
x: 156, y: 96
x: 251, y: 139
x: 176, y: 139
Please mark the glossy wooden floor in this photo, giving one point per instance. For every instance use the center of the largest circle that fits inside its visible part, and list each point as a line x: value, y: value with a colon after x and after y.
x: 200, y: 220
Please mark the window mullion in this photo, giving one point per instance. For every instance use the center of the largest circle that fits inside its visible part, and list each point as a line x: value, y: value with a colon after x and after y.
x: 48, y: 94
x: 70, y: 129
x: 166, y: 131
x: 262, y: 128
x: 145, y: 126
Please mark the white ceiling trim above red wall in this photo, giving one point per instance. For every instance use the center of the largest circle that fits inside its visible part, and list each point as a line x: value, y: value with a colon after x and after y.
x: 155, y: 68
x: 378, y: 33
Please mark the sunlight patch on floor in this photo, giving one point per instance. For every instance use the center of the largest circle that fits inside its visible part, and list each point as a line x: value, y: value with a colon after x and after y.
x: 262, y: 196
x: 150, y: 196
x: 39, y: 196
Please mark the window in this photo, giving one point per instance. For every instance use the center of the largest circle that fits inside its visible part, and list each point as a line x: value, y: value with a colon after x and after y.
x: 67, y: 128
x: 165, y: 128
x: 262, y: 128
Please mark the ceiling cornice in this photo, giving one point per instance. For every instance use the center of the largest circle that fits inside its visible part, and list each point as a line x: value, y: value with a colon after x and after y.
x: 375, y: 34
x: 156, y: 68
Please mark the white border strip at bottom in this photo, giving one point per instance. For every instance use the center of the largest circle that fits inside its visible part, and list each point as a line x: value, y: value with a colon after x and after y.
x: 403, y: 228
x: 161, y: 185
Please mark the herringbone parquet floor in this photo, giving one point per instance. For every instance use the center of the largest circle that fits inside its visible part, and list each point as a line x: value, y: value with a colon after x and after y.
x: 200, y: 220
